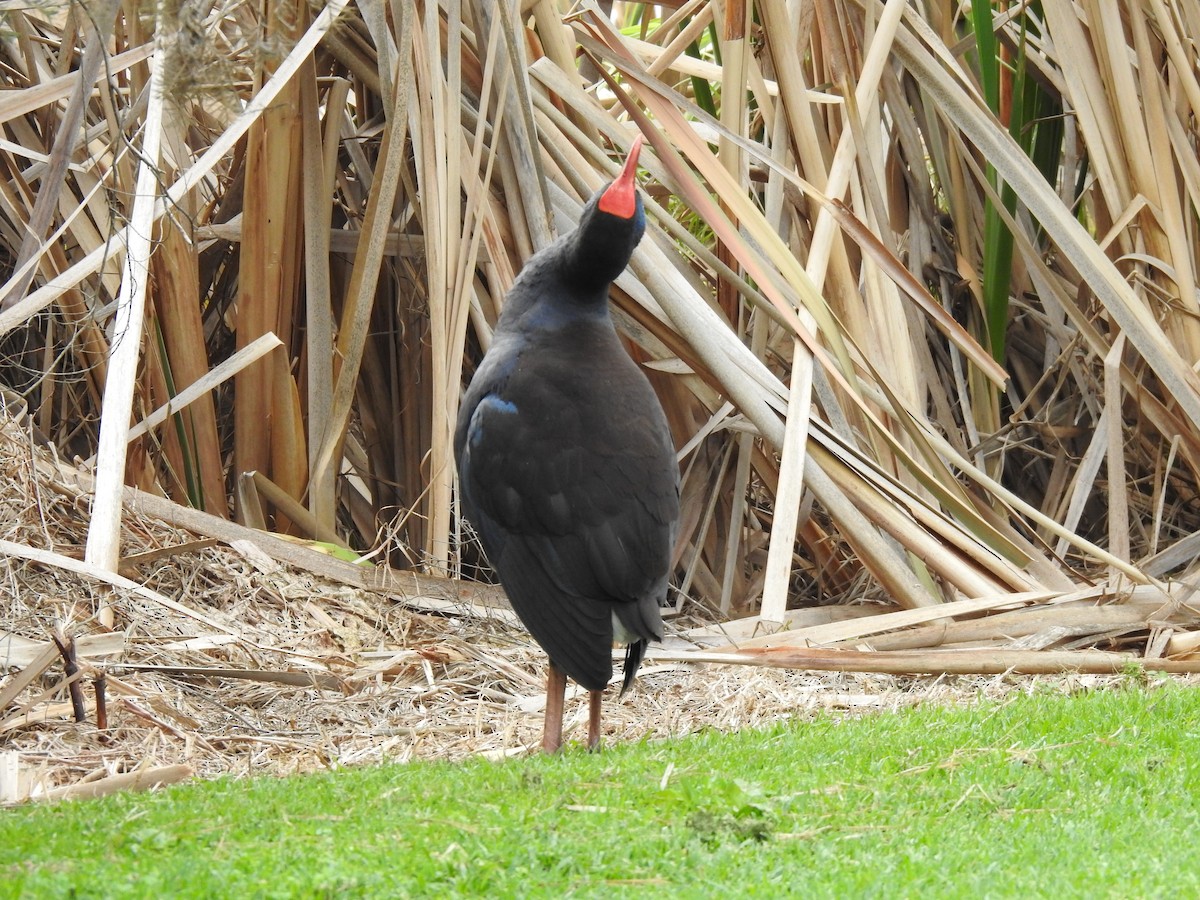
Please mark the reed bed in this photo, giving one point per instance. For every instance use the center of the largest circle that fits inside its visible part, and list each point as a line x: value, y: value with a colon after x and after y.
x: 918, y: 294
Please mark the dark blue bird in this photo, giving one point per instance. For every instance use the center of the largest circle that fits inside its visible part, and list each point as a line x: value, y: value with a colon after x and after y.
x: 566, y: 465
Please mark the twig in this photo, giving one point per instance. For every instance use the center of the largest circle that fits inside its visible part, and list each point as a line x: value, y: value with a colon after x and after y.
x: 71, y: 667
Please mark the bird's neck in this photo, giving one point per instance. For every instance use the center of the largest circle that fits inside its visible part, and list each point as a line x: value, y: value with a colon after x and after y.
x: 545, y: 296
x: 590, y: 259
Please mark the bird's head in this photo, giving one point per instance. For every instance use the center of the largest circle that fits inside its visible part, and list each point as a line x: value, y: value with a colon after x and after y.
x: 611, y: 226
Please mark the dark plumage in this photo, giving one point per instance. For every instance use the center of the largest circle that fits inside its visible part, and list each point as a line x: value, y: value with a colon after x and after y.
x: 565, y: 461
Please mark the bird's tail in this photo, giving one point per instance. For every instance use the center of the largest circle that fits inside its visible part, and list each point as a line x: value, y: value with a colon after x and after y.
x: 633, y: 658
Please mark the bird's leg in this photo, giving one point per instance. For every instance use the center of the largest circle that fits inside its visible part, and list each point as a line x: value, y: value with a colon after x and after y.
x: 556, y: 691
x: 594, y: 698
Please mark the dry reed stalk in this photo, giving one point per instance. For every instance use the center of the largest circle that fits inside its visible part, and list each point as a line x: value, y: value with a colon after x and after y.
x: 938, y: 662
x: 141, y: 780
x: 103, y: 549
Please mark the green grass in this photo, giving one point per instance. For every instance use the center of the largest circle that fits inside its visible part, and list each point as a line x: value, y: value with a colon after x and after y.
x: 1045, y: 795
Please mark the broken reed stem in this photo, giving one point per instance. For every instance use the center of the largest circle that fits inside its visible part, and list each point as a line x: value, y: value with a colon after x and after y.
x: 936, y: 662
x: 141, y: 780
x: 25, y: 677
x: 66, y: 648
x: 100, y: 684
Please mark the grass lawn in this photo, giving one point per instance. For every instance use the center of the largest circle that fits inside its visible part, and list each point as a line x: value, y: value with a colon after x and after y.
x: 1092, y: 795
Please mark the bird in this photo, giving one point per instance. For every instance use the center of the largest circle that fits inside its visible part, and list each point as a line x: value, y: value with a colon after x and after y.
x: 566, y: 465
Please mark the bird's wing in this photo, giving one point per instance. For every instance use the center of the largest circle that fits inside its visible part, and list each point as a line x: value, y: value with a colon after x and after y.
x: 595, y: 493
x: 573, y: 486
